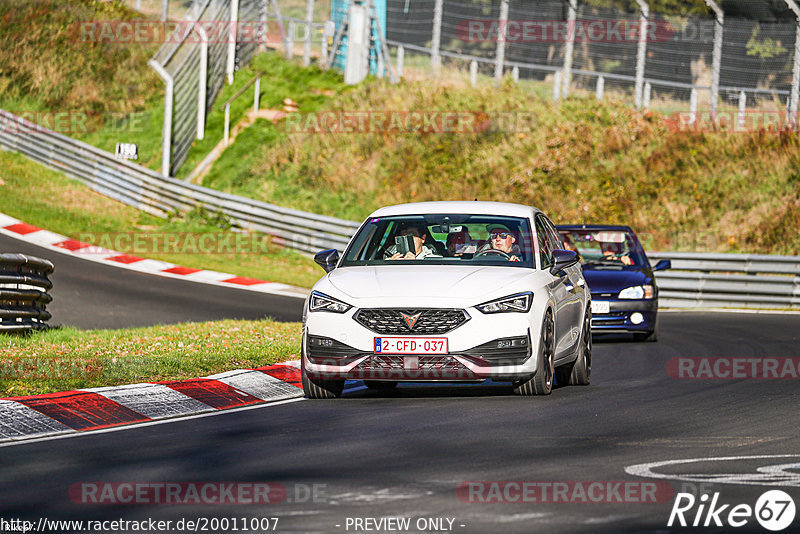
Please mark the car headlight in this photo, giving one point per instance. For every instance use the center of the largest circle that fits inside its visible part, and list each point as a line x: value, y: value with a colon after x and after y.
x: 520, y: 302
x: 322, y: 302
x: 637, y: 292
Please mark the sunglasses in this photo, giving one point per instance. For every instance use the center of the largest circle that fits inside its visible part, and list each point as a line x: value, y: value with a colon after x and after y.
x: 501, y: 235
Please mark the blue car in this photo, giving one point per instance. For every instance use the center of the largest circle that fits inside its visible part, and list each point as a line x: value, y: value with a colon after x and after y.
x: 620, y: 279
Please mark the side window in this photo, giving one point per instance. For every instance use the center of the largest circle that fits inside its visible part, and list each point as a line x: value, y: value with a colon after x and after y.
x: 555, y: 237
x: 545, y: 247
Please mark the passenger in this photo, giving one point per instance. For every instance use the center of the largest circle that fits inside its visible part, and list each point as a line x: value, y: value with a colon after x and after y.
x: 421, y: 249
x: 502, y: 239
x: 457, y: 243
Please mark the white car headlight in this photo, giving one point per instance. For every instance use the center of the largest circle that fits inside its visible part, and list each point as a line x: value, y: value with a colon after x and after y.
x: 637, y: 292
x: 322, y: 302
x: 520, y: 302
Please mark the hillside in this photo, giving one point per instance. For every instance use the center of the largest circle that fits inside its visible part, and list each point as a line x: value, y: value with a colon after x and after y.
x: 579, y: 161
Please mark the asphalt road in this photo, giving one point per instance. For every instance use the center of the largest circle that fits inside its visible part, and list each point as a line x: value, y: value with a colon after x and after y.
x: 87, y: 294
x: 405, y: 455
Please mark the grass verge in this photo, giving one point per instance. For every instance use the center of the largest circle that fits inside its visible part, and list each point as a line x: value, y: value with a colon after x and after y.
x: 66, y: 358
x: 47, y: 199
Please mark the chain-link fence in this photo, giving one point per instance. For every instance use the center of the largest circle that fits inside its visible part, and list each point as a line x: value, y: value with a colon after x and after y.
x: 578, y: 45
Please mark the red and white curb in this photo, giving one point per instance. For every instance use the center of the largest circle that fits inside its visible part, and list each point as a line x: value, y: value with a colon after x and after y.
x: 83, y: 410
x: 25, y: 232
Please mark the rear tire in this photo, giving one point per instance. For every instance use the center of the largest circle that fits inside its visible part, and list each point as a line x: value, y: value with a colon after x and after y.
x: 582, y: 367
x: 542, y: 382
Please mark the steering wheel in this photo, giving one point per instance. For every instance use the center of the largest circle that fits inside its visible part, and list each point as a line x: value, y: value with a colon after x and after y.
x: 493, y: 252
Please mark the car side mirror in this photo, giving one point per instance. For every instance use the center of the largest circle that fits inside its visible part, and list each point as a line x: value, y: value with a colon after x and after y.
x: 327, y: 259
x: 663, y: 265
x: 563, y: 259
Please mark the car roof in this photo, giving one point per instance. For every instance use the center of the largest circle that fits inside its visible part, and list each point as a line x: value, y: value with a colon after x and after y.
x: 594, y: 227
x: 460, y: 206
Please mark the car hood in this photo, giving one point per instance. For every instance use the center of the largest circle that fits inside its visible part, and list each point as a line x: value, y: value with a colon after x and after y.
x: 419, y: 281
x: 608, y: 281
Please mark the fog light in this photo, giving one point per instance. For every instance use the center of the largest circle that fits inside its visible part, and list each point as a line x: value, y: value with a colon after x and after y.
x: 637, y: 318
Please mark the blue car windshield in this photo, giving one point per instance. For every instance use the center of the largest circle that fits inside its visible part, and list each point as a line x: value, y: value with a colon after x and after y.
x: 442, y: 239
x: 615, y: 248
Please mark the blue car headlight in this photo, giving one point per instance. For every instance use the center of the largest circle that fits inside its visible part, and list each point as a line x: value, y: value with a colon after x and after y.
x: 521, y: 303
x: 637, y: 292
x: 321, y: 302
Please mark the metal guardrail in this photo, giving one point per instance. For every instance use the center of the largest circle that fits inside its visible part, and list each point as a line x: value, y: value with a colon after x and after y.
x: 728, y: 280
x: 23, y: 293
x: 158, y: 195
x: 696, y: 280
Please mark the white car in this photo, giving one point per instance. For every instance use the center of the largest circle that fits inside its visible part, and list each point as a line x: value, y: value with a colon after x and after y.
x: 449, y: 292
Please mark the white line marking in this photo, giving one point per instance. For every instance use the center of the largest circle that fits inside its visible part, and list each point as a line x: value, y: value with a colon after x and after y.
x: 766, y: 476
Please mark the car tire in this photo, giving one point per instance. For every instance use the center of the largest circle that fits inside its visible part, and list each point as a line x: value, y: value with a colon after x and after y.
x: 542, y: 382
x: 377, y: 385
x: 581, y: 368
x: 315, y: 388
x: 650, y: 337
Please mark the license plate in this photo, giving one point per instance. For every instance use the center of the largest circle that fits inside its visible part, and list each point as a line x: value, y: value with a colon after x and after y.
x: 600, y: 306
x: 410, y: 345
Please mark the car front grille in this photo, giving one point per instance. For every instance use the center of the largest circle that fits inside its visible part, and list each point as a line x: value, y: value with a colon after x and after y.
x: 401, y: 322
x: 392, y: 363
x: 610, y: 319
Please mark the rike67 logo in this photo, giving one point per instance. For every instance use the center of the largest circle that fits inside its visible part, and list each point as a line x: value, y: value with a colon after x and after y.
x: 774, y: 510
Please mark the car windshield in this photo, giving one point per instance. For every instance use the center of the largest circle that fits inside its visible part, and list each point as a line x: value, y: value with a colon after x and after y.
x: 605, y: 248
x: 442, y: 239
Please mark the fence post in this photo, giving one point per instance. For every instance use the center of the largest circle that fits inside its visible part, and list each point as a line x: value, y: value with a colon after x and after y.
x: 601, y: 87
x: 401, y: 55
x: 226, y: 135
x: 740, y: 118
x: 515, y: 74
x: 327, y: 33
x: 290, y: 40
x: 572, y: 16
x: 716, y: 64
x: 257, y: 94
x: 473, y: 73
x: 232, y: 39
x: 138, y: 5
x: 436, y: 58
x: 309, y: 26
x: 557, y: 86
x: 641, y: 56
x: 793, y: 101
x: 648, y: 89
x: 166, y: 130
x: 202, y: 81
x: 502, y: 31
x: 164, y: 10
x: 693, y: 107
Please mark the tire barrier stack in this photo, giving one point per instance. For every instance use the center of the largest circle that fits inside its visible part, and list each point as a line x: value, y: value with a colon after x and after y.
x: 24, y: 284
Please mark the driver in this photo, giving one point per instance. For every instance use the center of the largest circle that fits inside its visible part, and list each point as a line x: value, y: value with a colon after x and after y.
x: 503, y: 240
x: 613, y: 252
x: 421, y: 250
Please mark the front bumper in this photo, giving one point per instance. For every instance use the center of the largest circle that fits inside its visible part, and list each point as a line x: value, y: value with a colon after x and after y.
x: 618, y: 319
x: 338, y: 347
